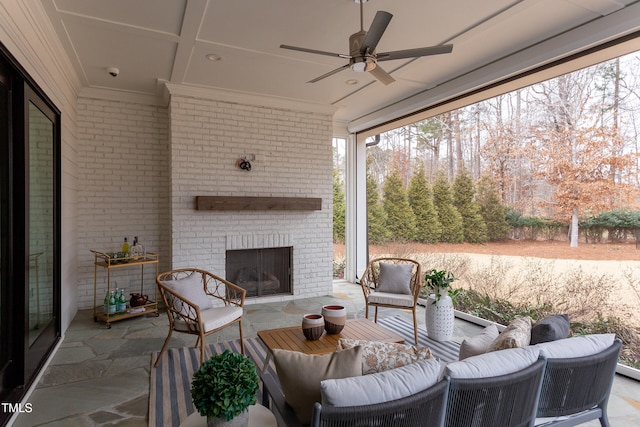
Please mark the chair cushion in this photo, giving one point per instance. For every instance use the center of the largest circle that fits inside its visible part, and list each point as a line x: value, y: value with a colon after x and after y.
x: 579, y: 346
x: 395, y: 278
x: 516, y: 335
x: 300, y: 375
x: 214, y: 318
x: 381, y: 386
x: 386, y: 298
x: 479, y: 344
x: 550, y: 329
x: 191, y: 288
x: 493, y: 364
x: 381, y: 356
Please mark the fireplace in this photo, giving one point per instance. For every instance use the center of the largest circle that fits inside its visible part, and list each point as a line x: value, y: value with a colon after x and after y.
x: 262, y: 271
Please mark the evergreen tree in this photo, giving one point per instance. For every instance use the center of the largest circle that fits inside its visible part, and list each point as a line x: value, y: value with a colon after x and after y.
x: 401, y: 222
x: 339, y: 208
x: 376, y: 219
x: 448, y: 215
x: 492, y: 209
x: 428, y: 227
x: 474, y: 228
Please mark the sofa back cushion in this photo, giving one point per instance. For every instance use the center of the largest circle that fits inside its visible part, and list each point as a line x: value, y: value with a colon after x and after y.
x: 584, y: 345
x: 493, y: 364
x: 382, y: 386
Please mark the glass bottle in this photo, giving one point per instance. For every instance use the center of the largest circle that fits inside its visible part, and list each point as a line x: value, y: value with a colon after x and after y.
x: 112, y: 302
x: 105, y: 304
x: 122, y: 301
x: 125, y: 247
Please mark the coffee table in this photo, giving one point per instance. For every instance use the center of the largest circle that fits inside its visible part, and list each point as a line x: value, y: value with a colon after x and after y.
x: 292, y: 338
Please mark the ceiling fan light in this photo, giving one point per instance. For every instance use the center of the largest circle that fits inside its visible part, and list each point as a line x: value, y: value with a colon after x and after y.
x: 359, y: 67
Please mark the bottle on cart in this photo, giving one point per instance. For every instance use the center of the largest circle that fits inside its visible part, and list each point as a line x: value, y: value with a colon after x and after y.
x: 137, y: 249
x: 125, y: 247
x: 112, y: 302
x: 122, y: 302
x: 105, y: 305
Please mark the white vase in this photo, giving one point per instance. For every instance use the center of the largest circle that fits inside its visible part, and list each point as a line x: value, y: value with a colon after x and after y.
x: 439, y: 317
x: 241, y: 420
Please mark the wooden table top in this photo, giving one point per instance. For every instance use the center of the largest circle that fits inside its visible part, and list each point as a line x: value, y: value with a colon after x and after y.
x: 292, y: 338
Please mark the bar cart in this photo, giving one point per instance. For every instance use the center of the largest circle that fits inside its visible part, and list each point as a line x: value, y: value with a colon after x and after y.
x: 111, y: 261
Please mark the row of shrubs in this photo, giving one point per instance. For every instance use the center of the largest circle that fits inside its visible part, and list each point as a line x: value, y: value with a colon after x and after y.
x: 618, y: 226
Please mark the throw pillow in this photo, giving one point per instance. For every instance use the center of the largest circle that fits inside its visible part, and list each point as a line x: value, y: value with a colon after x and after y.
x: 381, y: 386
x: 300, y: 375
x: 584, y: 345
x: 380, y: 356
x: 516, y: 335
x: 550, y: 329
x: 493, y: 364
x: 395, y: 278
x: 480, y: 343
x: 191, y: 288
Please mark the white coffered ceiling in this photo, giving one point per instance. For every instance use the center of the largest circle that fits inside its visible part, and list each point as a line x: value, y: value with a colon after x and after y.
x: 157, y: 41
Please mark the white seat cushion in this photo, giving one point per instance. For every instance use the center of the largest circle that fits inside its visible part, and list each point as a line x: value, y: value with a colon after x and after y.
x: 214, y: 318
x: 391, y: 299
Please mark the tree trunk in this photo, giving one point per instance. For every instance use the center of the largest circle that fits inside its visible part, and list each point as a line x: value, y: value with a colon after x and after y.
x: 574, y: 227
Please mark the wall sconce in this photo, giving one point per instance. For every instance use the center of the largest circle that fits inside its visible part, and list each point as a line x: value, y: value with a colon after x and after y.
x: 244, y: 164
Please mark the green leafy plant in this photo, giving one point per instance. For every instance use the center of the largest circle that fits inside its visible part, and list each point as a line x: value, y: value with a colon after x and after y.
x: 439, y: 280
x: 224, y: 386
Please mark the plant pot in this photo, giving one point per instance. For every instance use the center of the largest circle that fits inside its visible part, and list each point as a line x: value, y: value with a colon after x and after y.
x: 241, y: 420
x: 439, y: 318
x: 335, y: 317
x: 312, y: 326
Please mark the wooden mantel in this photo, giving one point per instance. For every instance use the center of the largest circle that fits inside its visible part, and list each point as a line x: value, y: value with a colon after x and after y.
x: 240, y: 203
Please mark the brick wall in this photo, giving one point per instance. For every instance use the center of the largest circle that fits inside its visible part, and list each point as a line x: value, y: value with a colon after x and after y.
x: 123, y: 185
x: 141, y: 166
x: 293, y: 157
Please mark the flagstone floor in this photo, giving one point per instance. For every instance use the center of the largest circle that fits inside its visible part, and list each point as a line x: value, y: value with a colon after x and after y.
x: 100, y: 376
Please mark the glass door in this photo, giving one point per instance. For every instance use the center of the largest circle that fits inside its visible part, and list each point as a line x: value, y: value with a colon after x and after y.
x: 41, y: 290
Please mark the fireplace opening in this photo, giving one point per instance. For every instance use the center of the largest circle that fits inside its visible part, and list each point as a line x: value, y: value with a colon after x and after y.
x: 261, y: 272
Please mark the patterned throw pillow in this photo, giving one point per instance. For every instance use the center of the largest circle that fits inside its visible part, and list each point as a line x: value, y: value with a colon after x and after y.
x: 516, y: 335
x: 381, y: 356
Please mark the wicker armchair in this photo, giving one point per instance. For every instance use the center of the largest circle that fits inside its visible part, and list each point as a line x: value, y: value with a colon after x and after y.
x: 503, y: 401
x: 577, y: 389
x: 199, y: 303
x: 374, y: 297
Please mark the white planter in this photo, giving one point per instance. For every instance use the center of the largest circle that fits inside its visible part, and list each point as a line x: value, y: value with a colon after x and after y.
x: 241, y: 420
x: 439, y: 318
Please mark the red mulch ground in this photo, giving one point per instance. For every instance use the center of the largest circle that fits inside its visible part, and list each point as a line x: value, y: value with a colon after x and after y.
x: 541, y: 249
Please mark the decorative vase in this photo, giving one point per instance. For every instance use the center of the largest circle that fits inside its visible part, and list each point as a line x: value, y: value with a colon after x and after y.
x: 241, y: 420
x: 335, y: 316
x: 439, y: 317
x: 312, y: 326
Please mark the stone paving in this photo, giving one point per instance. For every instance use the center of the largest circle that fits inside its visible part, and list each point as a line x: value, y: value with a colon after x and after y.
x: 100, y: 376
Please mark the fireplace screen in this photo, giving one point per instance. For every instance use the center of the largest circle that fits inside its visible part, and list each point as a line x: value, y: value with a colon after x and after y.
x: 261, y: 272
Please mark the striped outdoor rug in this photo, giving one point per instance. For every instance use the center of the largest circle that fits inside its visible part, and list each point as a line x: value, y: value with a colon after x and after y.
x: 169, y: 389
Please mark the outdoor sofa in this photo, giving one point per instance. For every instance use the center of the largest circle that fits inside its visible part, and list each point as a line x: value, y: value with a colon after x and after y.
x: 565, y: 382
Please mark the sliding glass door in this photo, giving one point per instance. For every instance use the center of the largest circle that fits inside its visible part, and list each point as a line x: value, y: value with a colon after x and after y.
x: 29, y: 230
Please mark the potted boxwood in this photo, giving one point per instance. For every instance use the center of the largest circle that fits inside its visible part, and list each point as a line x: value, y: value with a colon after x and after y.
x: 223, y: 389
x: 439, y: 314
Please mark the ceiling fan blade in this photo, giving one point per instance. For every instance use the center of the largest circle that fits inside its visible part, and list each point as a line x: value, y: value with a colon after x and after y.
x: 380, y: 74
x: 330, y: 73
x: 414, y: 53
x: 377, y: 29
x: 317, y: 52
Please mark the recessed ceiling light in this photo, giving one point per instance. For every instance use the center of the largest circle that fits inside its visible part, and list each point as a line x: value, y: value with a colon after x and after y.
x: 352, y: 82
x: 213, y: 57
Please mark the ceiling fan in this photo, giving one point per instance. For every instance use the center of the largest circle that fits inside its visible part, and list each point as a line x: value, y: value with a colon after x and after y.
x: 362, y: 50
